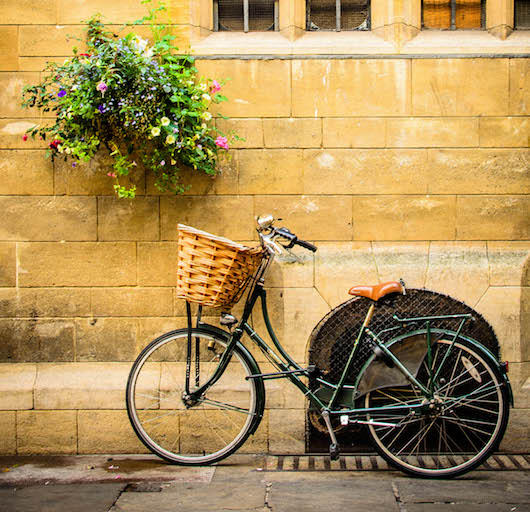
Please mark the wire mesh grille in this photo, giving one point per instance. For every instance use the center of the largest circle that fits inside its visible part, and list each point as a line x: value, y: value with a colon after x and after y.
x: 322, y: 14
x: 522, y: 14
x: 454, y: 14
x: 332, y: 339
x: 231, y: 15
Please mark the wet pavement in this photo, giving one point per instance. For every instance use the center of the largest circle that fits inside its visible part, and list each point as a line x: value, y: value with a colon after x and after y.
x: 247, y: 483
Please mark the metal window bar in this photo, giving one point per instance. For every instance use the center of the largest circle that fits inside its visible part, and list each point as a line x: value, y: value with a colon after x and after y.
x: 454, y: 14
x: 338, y: 15
x: 245, y: 15
x: 522, y: 15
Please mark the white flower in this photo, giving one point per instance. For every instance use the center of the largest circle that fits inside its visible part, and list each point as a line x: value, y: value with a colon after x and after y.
x: 170, y: 139
x: 148, y: 53
x: 60, y: 149
x: 206, y: 116
x: 164, y: 121
x: 67, y: 151
x: 203, y: 87
x: 206, y: 97
x: 155, y: 132
x: 204, y: 126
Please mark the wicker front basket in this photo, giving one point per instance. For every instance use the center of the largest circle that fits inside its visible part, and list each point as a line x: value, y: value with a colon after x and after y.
x: 212, y: 270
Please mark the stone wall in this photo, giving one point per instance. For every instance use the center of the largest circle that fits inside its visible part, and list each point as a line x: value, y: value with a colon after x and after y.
x: 408, y: 166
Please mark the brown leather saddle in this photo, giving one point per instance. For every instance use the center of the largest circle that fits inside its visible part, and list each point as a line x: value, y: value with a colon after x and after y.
x: 378, y: 291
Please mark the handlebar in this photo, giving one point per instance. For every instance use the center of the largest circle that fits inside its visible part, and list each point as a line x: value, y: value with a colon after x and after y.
x: 294, y: 240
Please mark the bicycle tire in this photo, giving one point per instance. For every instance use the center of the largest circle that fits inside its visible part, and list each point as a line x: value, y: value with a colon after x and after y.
x: 212, y: 428
x: 466, y: 424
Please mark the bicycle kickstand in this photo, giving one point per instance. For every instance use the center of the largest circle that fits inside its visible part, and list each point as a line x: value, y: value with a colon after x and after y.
x: 334, y: 452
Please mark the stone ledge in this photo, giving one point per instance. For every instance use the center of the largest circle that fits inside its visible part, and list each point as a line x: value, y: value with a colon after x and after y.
x: 16, y: 386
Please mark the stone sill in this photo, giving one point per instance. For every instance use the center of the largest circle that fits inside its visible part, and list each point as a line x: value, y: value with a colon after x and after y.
x: 435, y: 43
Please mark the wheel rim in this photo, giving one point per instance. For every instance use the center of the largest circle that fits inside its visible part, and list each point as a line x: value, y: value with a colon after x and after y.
x: 209, y: 429
x: 459, y: 431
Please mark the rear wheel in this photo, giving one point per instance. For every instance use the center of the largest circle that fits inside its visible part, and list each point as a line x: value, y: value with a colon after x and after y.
x: 456, y: 430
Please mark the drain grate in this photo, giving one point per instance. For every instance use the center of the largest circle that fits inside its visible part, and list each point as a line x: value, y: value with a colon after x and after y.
x: 499, y: 462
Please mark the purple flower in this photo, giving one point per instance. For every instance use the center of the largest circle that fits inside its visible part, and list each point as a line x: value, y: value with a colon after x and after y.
x: 102, y: 87
x: 74, y: 164
x: 101, y: 109
x: 61, y: 93
x: 163, y: 162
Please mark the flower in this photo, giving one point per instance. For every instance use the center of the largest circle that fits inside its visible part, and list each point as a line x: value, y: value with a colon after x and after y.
x: 102, y: 87
x: 203, y: 87
x: 163, y: 162
x: 222, y: 142
x: 216, y: 86
x: 170, y: 139
x: 54, y: 144
x: 84, y: 55
x: 101, y: 109
x: 155, y: 132
x: 164, y: 121
x: 206, y: 116
x: 61, y: 93
x: 206, y: 97
x: 111, y: 174
x: 25, y: 138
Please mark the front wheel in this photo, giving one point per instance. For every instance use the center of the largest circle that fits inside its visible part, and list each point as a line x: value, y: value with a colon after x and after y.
x: 452, y: 432
x: 179, y: 430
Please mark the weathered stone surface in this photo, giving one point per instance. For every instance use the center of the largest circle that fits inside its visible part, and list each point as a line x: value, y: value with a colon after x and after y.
x: 105, y: 339
x: 449, y: 87
x: 354, y: 133
x: 519, y: 374
x: 107, y: 432
x: 493, y: 218
x: 25, y: 172
x: 46, y: 432
x: 500, y: 306
x: 28, y: 12
x: 8, y: 439
x: 26, y: 341
x: 311, y: 217
x: 292, y: 133
x: 48, y: 218
x: 509, y: 263
x: 404, y: 217
x: 45, y: 40
x: 432, y: 133
x: 249, y: 129
x: 8, y: 48
x: 401, y: 260
x: 333, y: 88
x: 281, y: 393
x: 128, y: 220
x: 11, y: 85
x: 157, y: 263
x: 77, y: 264
x: 343, y: 171
x: 459, y: 269
x: 287, y: 431
x: 151, y: 328
x: 11, y: 137
x: 132, y: 302
x: 479, y: 171
x: 339, y: 266
x: 519, y: 87
x: 257, y: 88
x: 293, y: 270
x: 44, y: 302
x: 505, y: 132
x: 8, y: 264
x: 525, y: 323
x: 16, y: 386
x: 518, y: 432
x: 276, y: 171
x: 81, y: 386
x: 230, y: 216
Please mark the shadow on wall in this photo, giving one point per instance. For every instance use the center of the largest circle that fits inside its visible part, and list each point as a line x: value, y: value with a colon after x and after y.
x: 525, y: 312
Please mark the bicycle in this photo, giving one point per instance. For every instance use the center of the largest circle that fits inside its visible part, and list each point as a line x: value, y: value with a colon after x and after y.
x: 436, y: 402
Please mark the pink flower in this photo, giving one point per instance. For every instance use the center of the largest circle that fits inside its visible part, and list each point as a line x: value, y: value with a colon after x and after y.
x: 25, y: 138
x: 102, y: 87
x: 111, y: 174
x: 216, y: 86
x: 222, y: 142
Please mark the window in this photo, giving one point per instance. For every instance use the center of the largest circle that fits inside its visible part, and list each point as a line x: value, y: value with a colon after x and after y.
x: 454, y: 14
x: 522, y: 15
x: 245, y: 15
x: 338, y: 15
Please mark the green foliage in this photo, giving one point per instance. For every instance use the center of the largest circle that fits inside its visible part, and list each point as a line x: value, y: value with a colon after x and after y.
x: 144, y: 103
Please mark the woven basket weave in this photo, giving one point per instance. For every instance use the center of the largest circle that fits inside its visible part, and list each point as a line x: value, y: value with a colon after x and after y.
x: 212, y: 270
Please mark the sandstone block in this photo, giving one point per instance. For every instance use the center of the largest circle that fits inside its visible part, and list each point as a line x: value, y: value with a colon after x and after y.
x: 256, y: 88
x: 525, y: 323
x: 45, y: 40
x: 276, y: 171
x: 404, y: 217
x: 128, y: 220
x: 27, y: 341
x: 27, y: 12
x: 311, y: 217
x: 36, y: 63
x: 292, y: 271
x: 480, y: 171
x: 105, y: 339
x: 77, y: 264
x: 339, y: 266
x: 518, y: 431
x: 8, y: 48
x: 493, y: 218
x: 452, y: 87
x: 230, y: 216
x: 280, y: 393
x: 358, y: 171
x: 8, y: 427
x: 16, y: 386
x: 132, y: 302
x: 519, y: 87
x: 335, y: 88
x: 292, y: 133
x: 520, y: 381
x: 287, y: 431
x: 151, y: 328
x: 11, y: 137
x: 107, y: 432
x: 354, y: 132
x: 46, y: 432
x: 11, y: 85
x: 505, y: 132
x: 509, y: 263
x: 81, y: 386
x: 432, y: 132
x: 157, y: 263
x: 8, y: 264
x: 459, y: 269
x: 249, y: 129
x: 48, y: 218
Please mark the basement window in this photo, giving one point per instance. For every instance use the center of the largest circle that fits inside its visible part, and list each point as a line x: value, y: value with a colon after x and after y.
x: 522, y: 15
x: 245, y: 15
x: 453, y: 14
x: 338, y: 15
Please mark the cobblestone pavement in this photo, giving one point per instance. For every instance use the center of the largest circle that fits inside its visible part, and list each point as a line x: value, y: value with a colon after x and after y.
x: 254, y: 483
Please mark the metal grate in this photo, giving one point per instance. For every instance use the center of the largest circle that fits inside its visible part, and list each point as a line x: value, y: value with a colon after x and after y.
x: 522, y: 15
x: 245, y: 15
x: 454, y: 14
x: 338, y: 15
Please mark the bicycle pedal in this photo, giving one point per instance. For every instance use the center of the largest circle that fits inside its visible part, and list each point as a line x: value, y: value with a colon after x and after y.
x: 334, y: 452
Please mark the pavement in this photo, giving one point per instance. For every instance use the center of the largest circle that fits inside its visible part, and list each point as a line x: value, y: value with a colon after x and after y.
x: 253, y: 483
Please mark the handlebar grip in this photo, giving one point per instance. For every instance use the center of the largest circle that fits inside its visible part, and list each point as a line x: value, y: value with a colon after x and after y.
x: 306, y: 245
